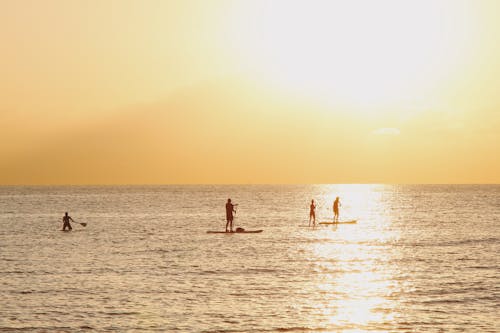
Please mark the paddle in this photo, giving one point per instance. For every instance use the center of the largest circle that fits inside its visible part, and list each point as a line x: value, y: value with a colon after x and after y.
x: 81, y: 223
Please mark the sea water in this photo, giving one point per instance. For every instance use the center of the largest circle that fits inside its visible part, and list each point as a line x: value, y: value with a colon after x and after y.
x: 422, y: 258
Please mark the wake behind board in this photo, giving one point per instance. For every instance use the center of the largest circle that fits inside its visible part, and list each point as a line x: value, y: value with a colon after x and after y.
x: 340, y: 222
x: 235, y: 232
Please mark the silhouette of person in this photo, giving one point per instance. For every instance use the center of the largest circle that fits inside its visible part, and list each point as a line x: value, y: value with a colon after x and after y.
x: 66, y: 223
x: 336, y: 205
x: 229, y: 215
x: 312, y: 213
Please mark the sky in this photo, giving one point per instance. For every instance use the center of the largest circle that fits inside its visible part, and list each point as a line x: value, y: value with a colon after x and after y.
x: 244, y: 92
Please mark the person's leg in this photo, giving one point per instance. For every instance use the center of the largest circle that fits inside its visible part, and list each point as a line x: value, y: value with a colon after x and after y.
x: 227, y: 223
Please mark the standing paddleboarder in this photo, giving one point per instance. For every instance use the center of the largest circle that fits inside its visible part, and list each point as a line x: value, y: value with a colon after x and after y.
x: 336, y: 205
x: 229, y: 215
x: 312, y: 213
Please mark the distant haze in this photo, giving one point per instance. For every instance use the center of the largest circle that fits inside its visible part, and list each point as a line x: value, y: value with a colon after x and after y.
x: 159, y: 92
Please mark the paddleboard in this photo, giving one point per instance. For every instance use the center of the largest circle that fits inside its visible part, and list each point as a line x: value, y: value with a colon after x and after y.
x: 235, y: 232
x: 340, y: 222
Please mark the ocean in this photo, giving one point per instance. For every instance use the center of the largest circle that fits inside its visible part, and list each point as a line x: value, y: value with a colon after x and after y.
x: 421, y: 258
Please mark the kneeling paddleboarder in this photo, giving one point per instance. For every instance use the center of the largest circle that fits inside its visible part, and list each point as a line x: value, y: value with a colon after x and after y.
x: 66, y: 223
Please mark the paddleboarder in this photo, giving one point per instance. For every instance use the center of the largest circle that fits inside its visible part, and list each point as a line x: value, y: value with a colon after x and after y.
x: 229, y: 215
x: 312, y: 213
x: 66, y: 223
x: 336, y: 205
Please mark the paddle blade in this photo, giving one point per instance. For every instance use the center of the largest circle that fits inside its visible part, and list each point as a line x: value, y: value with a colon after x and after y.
x: 84, y: 224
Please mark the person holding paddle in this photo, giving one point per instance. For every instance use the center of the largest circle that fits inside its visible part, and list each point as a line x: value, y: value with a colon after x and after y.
x: 229, y: 214
x: 336, y: 205
x: 312, y: 213
x: 66, y: 223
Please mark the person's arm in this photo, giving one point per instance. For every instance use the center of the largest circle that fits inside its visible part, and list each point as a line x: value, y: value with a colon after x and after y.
x: 71, y: 219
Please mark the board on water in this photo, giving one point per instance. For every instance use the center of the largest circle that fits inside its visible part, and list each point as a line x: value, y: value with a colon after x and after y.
x: 235, y: 232
x: 340, y: 222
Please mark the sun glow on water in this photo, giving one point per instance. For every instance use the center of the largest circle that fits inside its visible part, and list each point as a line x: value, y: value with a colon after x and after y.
x: 356, y: 291
x: 355, y: 271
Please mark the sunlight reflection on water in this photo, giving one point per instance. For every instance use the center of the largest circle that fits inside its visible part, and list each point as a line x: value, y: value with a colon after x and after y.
x: 356, y: 288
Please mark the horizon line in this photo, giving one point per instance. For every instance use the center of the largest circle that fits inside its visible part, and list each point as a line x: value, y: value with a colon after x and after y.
x: 230, y: 184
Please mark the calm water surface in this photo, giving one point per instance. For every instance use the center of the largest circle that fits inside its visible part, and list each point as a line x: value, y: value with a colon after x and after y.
x: 420, y: 259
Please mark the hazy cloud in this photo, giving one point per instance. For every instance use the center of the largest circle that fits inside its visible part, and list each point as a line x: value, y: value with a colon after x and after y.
x: 386, y: 131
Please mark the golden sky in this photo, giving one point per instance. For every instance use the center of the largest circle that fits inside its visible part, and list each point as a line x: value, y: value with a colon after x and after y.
x: 160, y: 92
